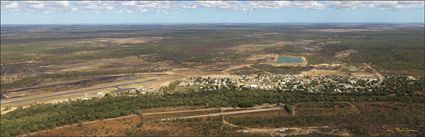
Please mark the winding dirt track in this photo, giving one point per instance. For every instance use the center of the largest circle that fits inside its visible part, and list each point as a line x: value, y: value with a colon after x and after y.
x: 227, y: 113
x: 226, y: 71
x: 379, y: 75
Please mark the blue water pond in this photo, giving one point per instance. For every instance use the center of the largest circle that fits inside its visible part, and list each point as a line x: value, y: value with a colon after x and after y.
x: 287, y: 59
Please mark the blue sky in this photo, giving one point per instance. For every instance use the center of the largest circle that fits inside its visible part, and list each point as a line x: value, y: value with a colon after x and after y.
x: 95, y: 12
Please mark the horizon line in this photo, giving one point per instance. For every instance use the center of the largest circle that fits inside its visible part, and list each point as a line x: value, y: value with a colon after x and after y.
x: 182, y: 23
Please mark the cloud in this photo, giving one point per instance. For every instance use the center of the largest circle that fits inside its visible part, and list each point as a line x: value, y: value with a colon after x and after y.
x: 286, y: 4
x: 64, y: 4
x: 252, y: 5
x: 96, y: 5
x: 35, y: 4
x: 164, y: 6
x: 10, y: 6
x: 375, y: 4
x: 31, y: 6
x: 143, y: 6
x: 216, y: 4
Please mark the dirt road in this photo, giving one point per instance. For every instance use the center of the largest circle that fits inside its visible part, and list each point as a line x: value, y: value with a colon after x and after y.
x: 227, y: 71
x: 227, y: 113
x: 379, y: 75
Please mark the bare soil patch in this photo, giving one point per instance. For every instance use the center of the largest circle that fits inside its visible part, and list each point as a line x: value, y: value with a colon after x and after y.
x: 345, y: 53
x: 129, y: 41
x: 363, y: 75
x: 321, y: 72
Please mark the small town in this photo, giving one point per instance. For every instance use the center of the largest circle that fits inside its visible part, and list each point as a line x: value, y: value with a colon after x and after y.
x: 269, y: 81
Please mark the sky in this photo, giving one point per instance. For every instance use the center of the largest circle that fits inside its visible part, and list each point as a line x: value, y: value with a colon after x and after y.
x: 152, y: 12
